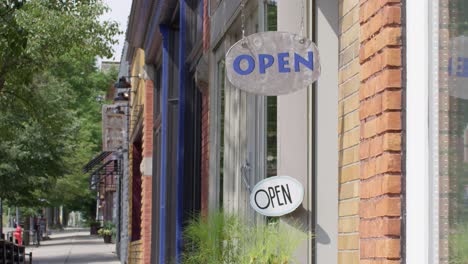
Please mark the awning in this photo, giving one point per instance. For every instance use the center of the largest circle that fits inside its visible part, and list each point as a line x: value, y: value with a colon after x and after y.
x: 95, y: 161
x: 111, y: 166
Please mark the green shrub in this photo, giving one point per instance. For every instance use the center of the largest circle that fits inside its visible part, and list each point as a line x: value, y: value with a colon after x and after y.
x: 224, y: 238
x: 459, y: 244
x: 108, y: 229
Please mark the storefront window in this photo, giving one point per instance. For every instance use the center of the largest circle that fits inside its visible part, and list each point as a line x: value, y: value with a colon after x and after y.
x: 221, y: 80
x: 272, y: 155
x: 452, y: 116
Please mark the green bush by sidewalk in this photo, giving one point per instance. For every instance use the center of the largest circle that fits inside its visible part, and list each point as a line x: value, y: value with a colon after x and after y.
x: 224, y: 238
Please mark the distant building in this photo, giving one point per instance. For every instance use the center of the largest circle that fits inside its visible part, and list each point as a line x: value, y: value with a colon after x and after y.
x: 106, y: 66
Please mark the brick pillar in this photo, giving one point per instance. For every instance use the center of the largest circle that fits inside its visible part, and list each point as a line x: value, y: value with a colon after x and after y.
x: 146, y: 167
x: 205, y: 146
x: 381, y: 131
x: 206, y: 25
x: 348, y: 133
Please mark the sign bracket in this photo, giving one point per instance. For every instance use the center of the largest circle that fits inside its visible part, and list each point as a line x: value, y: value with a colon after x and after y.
x: 245, y: 169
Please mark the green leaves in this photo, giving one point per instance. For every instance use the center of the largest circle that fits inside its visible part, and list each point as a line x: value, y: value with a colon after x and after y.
x: 38, y: 31
x: 49, y: 118
x: 224, y: 238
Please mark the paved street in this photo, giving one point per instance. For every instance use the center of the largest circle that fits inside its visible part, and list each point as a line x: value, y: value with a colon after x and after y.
x: 74, y: 246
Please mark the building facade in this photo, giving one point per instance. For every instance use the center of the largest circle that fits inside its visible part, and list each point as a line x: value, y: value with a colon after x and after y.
x: 378, y: 142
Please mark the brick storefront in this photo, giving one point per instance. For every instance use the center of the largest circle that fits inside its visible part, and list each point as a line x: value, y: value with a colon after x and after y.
x: 380, y: 113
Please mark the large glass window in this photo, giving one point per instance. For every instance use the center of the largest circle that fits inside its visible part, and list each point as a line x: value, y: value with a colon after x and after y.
x: 452, y: 115
x: 272, y: 155
x: 221, y: 80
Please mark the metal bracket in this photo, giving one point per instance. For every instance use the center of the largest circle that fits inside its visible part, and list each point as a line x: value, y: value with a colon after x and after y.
x: 244, y: 170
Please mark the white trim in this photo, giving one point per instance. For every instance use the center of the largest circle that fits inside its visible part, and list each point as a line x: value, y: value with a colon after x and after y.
x: 326, y: 133
x: 417, y: 133
x: 434, y: 131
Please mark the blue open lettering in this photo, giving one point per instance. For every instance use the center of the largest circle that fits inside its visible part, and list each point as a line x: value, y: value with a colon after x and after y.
x: 266, y: 61
x: 300, y: 60
x: 282, y: 62
x: 250, y: 66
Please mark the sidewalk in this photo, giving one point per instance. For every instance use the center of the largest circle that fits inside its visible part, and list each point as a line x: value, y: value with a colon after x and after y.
x: 73, y: 246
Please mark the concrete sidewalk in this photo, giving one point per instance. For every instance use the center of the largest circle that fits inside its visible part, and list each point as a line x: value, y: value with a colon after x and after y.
x: 73, y: 246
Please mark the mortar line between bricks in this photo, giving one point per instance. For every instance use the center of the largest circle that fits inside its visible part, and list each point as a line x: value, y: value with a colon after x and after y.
x: 349, y: 250
x: 345, y: 217
x: 349, y: 164
x: 348, y: 130
x: 349, y: 28
x: 348, y: 233
x: 347, y: 114
x: 349, y: 147
x: 378, y: 10
x: 350, y: 182
x: 350, y: 78
x: 349, y: 11
x: 352, y: 199
x: 348, y: 96
x: 373, y: 75
x: 349, y: 199
x: 350, y: 45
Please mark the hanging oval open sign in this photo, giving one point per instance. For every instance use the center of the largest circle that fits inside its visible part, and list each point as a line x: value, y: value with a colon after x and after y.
x: 273, y: 63
x: 277, y: 196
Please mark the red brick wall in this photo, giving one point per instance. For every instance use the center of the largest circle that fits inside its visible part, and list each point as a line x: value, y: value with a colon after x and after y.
x: 135, y: 253
x: 148, y: 120
x: 147, y: 179
x: 146, y: 219
x: 206, y: 25
x: 205, y: 148
x: 348, y: 133
x: 381, y: 131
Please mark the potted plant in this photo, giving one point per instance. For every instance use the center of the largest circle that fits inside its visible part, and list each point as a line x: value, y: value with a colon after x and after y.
x: 94, y: 226
x: 107, y: 231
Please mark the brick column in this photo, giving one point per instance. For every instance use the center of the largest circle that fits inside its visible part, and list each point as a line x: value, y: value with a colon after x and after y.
x: 146, y: 167
x: 381, y: 131
x: 205, y: 146
x: 206, y: 25
x: 348, y: 133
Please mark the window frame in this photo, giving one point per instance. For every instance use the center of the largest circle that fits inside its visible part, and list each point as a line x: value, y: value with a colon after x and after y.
x: 246, y: 142
x: 421, y: 182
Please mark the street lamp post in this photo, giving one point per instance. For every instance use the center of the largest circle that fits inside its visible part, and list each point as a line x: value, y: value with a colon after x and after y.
x: 122, y: 107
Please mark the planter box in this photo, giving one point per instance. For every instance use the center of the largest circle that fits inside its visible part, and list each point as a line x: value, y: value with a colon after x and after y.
x: 93, y: 229
x: 107, y: 239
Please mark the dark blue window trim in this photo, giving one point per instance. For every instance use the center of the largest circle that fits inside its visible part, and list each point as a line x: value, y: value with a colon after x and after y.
x: 181, y: 133
x: 164, y: 125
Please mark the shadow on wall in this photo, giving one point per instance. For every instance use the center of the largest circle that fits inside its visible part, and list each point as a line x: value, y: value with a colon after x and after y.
x: 299, y: 218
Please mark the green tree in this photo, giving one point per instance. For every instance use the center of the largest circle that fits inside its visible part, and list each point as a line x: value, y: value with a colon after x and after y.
x: 87, y: 83
x: 34, y: 32
x: 49, y: 119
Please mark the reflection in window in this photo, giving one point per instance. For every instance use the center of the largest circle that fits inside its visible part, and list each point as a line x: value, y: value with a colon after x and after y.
x: 272, y: 154
x: 221, y: 80
x: 453, y: 133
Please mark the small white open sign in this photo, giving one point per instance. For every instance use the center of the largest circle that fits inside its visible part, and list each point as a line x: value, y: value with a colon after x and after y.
x: 277, y: 196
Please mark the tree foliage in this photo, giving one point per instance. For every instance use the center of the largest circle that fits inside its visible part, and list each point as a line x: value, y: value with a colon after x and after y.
x: 49, y: 118
x: 33, y: 33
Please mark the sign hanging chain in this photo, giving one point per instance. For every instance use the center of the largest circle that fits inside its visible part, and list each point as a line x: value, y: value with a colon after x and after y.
x: 302, y: 17
x: 242, y: 5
